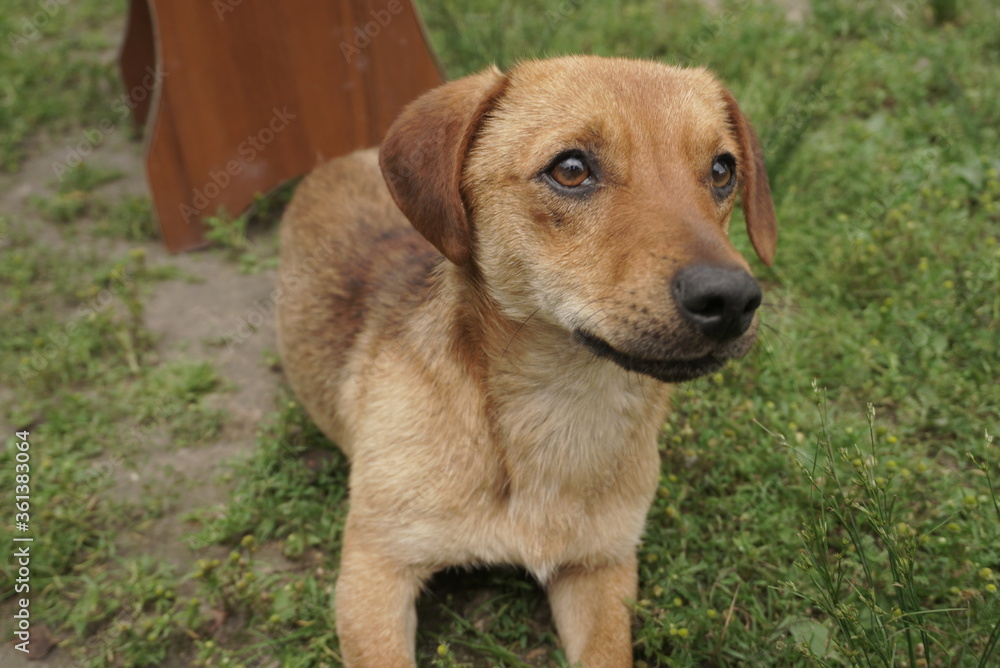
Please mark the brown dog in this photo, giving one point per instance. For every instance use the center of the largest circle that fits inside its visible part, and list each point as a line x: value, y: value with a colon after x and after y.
x: 490, y: 337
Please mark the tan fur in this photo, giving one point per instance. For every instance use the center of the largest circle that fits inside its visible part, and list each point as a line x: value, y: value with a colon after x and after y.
x: 480, y: 431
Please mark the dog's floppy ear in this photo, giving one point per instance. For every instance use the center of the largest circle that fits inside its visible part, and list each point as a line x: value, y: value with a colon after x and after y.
x: 422, y: 156
x: 758, y: 207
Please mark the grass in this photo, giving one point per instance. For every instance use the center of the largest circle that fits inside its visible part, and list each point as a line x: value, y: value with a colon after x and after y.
x: 235, y: 235
x: 830, y: 500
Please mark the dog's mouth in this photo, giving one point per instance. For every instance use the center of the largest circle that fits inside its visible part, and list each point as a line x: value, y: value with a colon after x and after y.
x: 668, y: 371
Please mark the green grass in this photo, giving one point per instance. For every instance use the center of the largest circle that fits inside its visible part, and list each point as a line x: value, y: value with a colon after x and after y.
x: 54, y: 73
x: 830, y: 500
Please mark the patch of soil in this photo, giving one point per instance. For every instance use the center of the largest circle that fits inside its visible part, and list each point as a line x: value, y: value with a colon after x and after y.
x: 192, y: 318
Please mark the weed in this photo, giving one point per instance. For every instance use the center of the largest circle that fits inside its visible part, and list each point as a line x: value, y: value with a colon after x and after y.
x: 863, y: 549
x: 233, y: 234
x: 229, y: 233
x: 130, y: 218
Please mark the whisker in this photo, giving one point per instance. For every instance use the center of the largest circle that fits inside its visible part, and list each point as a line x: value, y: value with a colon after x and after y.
x: 591, y: 303
x: 766, y: 346
x: 771, y: 328
x: 604, y: 319
x: 518, y: 331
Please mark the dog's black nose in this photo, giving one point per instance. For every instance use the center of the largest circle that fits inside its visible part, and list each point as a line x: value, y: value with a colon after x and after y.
x: 721, y: 301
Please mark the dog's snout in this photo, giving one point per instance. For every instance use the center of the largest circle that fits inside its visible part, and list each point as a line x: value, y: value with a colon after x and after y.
x: 720, y: 301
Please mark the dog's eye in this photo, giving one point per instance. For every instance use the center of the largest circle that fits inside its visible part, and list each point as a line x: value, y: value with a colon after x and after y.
x: 570, y: 172
x: 723, y: 174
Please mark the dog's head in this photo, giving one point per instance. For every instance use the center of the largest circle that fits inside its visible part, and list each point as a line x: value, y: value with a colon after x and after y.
x: 596, y: 194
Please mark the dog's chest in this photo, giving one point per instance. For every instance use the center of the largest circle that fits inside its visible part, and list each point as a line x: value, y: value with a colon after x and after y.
x: 581, y: 458
x: 557, y: 464
x: 541, y: 535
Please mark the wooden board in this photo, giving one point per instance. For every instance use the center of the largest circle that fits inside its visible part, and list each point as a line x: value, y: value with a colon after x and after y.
x: 250, y: 94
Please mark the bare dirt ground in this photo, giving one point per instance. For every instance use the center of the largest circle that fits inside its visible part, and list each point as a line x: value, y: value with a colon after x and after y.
x: 188, y: 316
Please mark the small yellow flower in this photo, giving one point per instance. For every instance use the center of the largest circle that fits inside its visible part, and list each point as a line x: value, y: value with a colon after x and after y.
x: 712, y: 613
x: 991, y: 588
x: 986, y: 573
x: 678, y: 602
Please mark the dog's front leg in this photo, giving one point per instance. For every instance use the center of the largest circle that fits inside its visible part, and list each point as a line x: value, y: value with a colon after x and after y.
x: 376, y: 607
x: 592, y: 615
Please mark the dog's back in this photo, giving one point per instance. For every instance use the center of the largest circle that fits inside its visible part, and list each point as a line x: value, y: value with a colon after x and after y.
x: 349, y: 257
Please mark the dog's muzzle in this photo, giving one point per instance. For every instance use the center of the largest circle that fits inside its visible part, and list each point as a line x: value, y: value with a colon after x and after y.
x: 719, y: 302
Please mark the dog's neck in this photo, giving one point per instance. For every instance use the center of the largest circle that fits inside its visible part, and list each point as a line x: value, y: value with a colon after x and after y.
x: 563, y: 418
